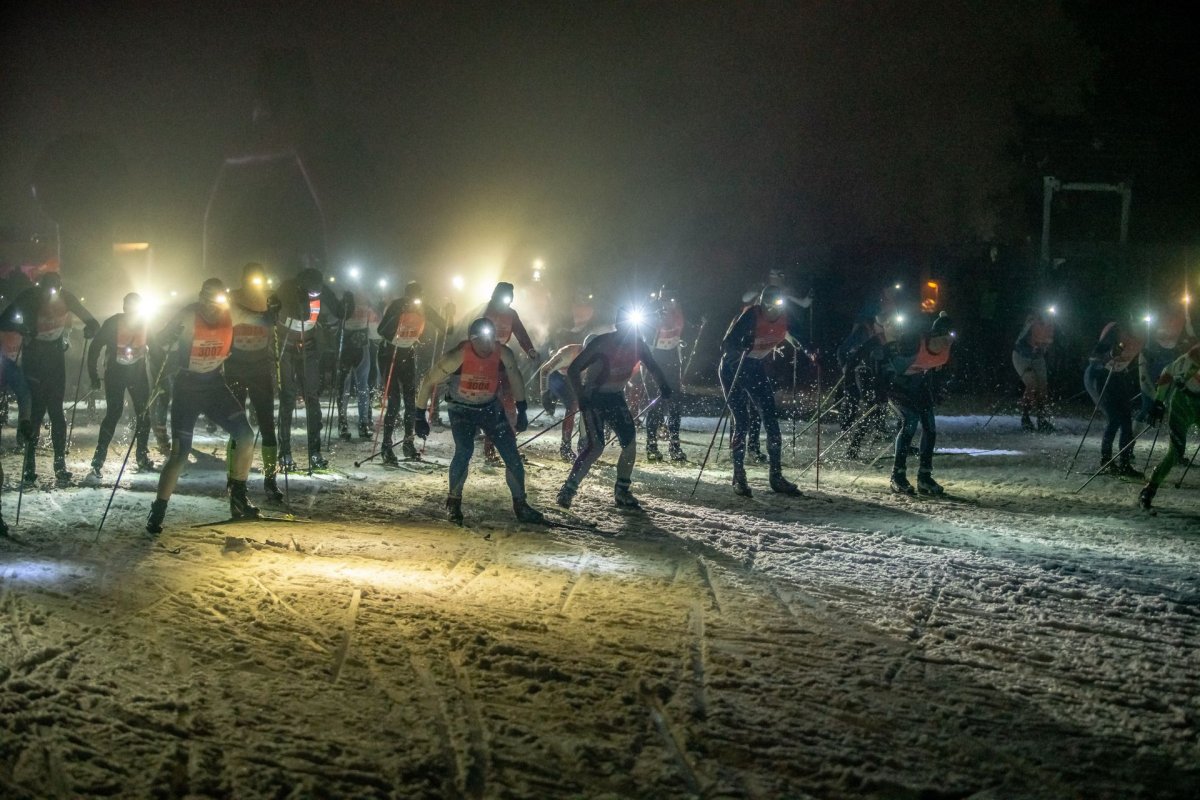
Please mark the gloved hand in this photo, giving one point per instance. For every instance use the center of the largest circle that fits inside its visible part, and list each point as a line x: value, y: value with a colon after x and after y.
x: 25, y: 431
x: 274, y: 305
x: 421, y: 426
x: 548, y: 402
x: 90, y: 329
x: 522, y: 417
x: 1157, y: 412
x: 665, y: 392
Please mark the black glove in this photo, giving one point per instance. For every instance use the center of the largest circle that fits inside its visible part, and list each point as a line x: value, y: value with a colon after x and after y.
x: 522, y: 418
x: 347, y: 304
x: 274, y: 305
x: 1157, y: 412
x: 421, y: 426
x: 90, y: 329
x: 25, y: 431
x: 548, y: 402
x: 665, y: 392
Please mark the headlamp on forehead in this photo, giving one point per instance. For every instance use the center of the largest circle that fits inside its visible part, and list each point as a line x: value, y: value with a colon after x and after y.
x: 256, y: 280
x: 482, y: 332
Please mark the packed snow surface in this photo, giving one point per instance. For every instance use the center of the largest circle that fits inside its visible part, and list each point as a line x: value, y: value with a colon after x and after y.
x: 1017, y: 638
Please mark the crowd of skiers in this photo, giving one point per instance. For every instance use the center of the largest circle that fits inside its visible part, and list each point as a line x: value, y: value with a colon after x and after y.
x: 274, y: 346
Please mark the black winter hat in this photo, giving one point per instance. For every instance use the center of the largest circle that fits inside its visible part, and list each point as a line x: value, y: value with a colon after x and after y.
x: 942, y: 325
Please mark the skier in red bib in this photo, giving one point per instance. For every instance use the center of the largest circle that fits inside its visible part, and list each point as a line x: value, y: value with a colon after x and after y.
x: 910, y: 370
x: 751, y: 337
x: 507, y: 323
x: 667, y: 342
x: 472, y: 372
x: 204, y: 334
x: 123, y: 340
x: 1029, y: 359
x: 402, y: 328
x: 597, y: 377
x: 42, y: 314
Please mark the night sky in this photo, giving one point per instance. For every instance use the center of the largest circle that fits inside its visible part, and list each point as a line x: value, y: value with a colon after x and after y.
x: 599, y: 136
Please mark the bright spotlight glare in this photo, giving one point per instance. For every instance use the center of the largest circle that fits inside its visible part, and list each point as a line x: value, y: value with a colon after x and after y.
x: 256, y: 281
x: 1149, y: 318
x: 332, y: 279
x: 1052, y: 310
x: 899, y: 319
x: 383, y: 283
x: 636, y: 317
x: 355, y: 272
x: 457, y: 282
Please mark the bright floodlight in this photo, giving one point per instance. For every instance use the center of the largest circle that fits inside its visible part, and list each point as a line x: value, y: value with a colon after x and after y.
x: 537, y: 275
x: 899, y: 319
x: 1052, y: 310
x: 538, y: 264
x: 355, y: 272
x: 383, y: 283
x: 897, y: 286
x: 457, y: 282
x: 1149, y: 318
x: 636, y: 317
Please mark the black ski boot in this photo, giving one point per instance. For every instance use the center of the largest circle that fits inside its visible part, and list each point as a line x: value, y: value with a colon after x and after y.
x: 781, y: 485
x: 343, y: 429
x: 676, y: 454
x: 158, y: 511
x: 566, y: 494
x: 1044, y: 426
x: 900, y: 484
x: 1146, y: 496
x: 623, y: 497
x: 239, y: 504
x: 653, y: 454
x: 61, y: 473
x: 317, y: 462
x: 271, y: 490
x: 144, y: 464
x: 387, y: 456
x: 1127, y: 470
x: 740, y: 486
x: 1027, y: 424
x: 410, y: 450
x: 286, y: 464
x: 527, y: 513
x: 454, y: 510
x: 756, y: 455
x: 566, y: 453
x: 927, y: 485
x: 364, y: 430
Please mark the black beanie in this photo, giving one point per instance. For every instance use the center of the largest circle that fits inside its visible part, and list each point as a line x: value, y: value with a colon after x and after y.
x: 942, y: 325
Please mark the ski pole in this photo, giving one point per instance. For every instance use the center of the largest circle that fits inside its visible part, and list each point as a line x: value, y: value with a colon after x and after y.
x: 1153, y: 444
x: 720, y: 422
x: 859, y: 423
x: 383, y: 396
x: 547, y: 429
x: 337, y: 380
x: 78, y: 385
x: 143, y: 419
x: 683, y: 375
x: 872, y: 463
x: 1088, y: 429
x: 1188, y: 466
x: 818, y: 473
x: 1110, y: 461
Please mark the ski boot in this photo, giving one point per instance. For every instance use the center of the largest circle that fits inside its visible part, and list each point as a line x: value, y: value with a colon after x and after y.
x: 410, y: 450
x: 526, y: 512
x: 566, y: 494
x: 92, y: 478
x: 286, y: 464
x: 454, y: 510
x: 740, y: 486
x: 364, y: 430
x: 343, y: 429
x: 781, y: 485
x: 927, y: 485
x: 144, y: 464
x: 676, y: 454
x: 756, y: 455
x: 239, y: 504
x: 566, y: 453
x: 317, y: 462
x: 161, y: 440
x: 158, y: 510
x: 900, y: 484
x: 1044, y: 426
x: 1027, y: 424
x: 271, y: 490
x: 1146, y: 496
x: 653, y: 454
x: 1127, y: 470
x: 387, y: 456
x: 623, y: 497
x: 61, y: 473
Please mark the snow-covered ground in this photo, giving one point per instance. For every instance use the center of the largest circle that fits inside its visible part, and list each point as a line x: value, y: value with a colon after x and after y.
x: 1016, y: 639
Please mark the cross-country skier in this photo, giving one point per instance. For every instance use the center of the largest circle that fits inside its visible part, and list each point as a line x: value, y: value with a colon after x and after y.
x: 854, y: 356
x: 304, y: 300
x: 354, y: 368
x: 123, y: 340
x: 44, y: 312
x: 472, y: 372
x: 667, y: 341
x: 751, y: 337
x: 1177, y: 401
x: 1111, y: 384
x: 597, y: 377
x: 251, y: 369
x: 203, y: 332
x: 403, y: 324
x: 1029, y: 360
x: 909, y: 367
x: 507, y: 323
x: 1171, y: 340
x: 556, y: 388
